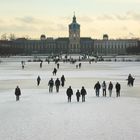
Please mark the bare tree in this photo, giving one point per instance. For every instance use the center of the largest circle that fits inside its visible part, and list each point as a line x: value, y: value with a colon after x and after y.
x: 4, y: 37
x: 12, y: 37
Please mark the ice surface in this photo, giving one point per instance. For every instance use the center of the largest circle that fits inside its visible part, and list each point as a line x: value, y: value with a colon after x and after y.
x: 40, y: 115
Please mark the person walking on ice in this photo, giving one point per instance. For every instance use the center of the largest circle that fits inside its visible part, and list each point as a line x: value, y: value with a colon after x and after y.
x: 38, y: 80
x: 118, y: 88
x: 58, y: 65
x: 54, y: 71
x: 69, y: 93
x: 41, y: 64
x: 51, y: 84
x: 78, y: 95
x: 110, y: 87
x: 104, y: 88
x: 57, y: 84
x: 17, y: 93
x: 83, y: 93
x: 63, y: 80
x: 97, y: 88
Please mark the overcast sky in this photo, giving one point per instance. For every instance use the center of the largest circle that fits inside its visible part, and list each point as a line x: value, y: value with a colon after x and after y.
x: 117, y: 18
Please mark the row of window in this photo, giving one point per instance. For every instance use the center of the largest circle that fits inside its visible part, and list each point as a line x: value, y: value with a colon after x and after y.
x: 116, y: 44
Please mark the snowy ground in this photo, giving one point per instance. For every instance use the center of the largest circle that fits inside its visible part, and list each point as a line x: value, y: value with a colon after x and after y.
x: 40, y: 115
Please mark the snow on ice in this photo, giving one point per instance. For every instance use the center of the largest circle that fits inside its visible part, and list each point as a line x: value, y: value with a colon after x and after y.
x: 40, y: 115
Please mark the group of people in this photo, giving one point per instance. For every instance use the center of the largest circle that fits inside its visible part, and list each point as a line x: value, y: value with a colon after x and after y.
x: 82, y: 93
x: 78, y: 66
x: 98, y: 86
x: 57, y: 83
x: 51, y: 83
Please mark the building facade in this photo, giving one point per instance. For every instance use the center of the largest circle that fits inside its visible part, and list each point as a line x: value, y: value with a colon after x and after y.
x: 113, y: 47
x: 74, y: 44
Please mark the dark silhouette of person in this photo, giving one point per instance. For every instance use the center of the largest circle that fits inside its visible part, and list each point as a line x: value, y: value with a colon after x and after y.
x: 63, y: 80
x: 83, y: 93
x: 110, y: 87
x: 58, y: 65
x: 104, y: 88
x: 23, y: 66
x: 41, y: 64
x: 130, y: 80
x: 17, y: 93
x: 118, y: 88
x: 51, y: 84
x: 97, y: 87
x: 54, y: 71
x: 38, y: 80
x: 22, y: 63
x: 57, y: 84
x: 78, y: 95
x: 80, y: 65
x: 69, y: 93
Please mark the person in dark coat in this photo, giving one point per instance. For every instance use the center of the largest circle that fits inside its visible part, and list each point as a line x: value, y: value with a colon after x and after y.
x: 63, y: 80
x: 80, y: 65
x: 83, y: 93
x: 57, y: 84
x: 104, y: 88
x: 78, y: 95
x: 22, y: 66
x: 118, y: 88
x: 17, y: 93
x: 69, y: 93
x: 130, y: 80
x: 58, y: 65
x: 97, y: 88
x: 51, y: 84
x: 38, y: 80
x: 41, y: 64
x: 54, y: 71
x: 110, y: 87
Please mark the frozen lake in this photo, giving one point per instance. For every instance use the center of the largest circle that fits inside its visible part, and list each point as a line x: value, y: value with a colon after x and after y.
x: 40, y: 115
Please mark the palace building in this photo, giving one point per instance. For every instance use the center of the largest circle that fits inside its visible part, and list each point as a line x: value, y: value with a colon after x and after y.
x: 74, y: 44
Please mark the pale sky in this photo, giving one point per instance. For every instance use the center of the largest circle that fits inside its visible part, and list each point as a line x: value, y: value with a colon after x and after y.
x: 117, y: 18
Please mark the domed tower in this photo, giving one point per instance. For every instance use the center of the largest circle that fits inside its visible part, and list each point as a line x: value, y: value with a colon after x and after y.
x: 74, y: 36
x: 105, y: 37
x: 42, y: 37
